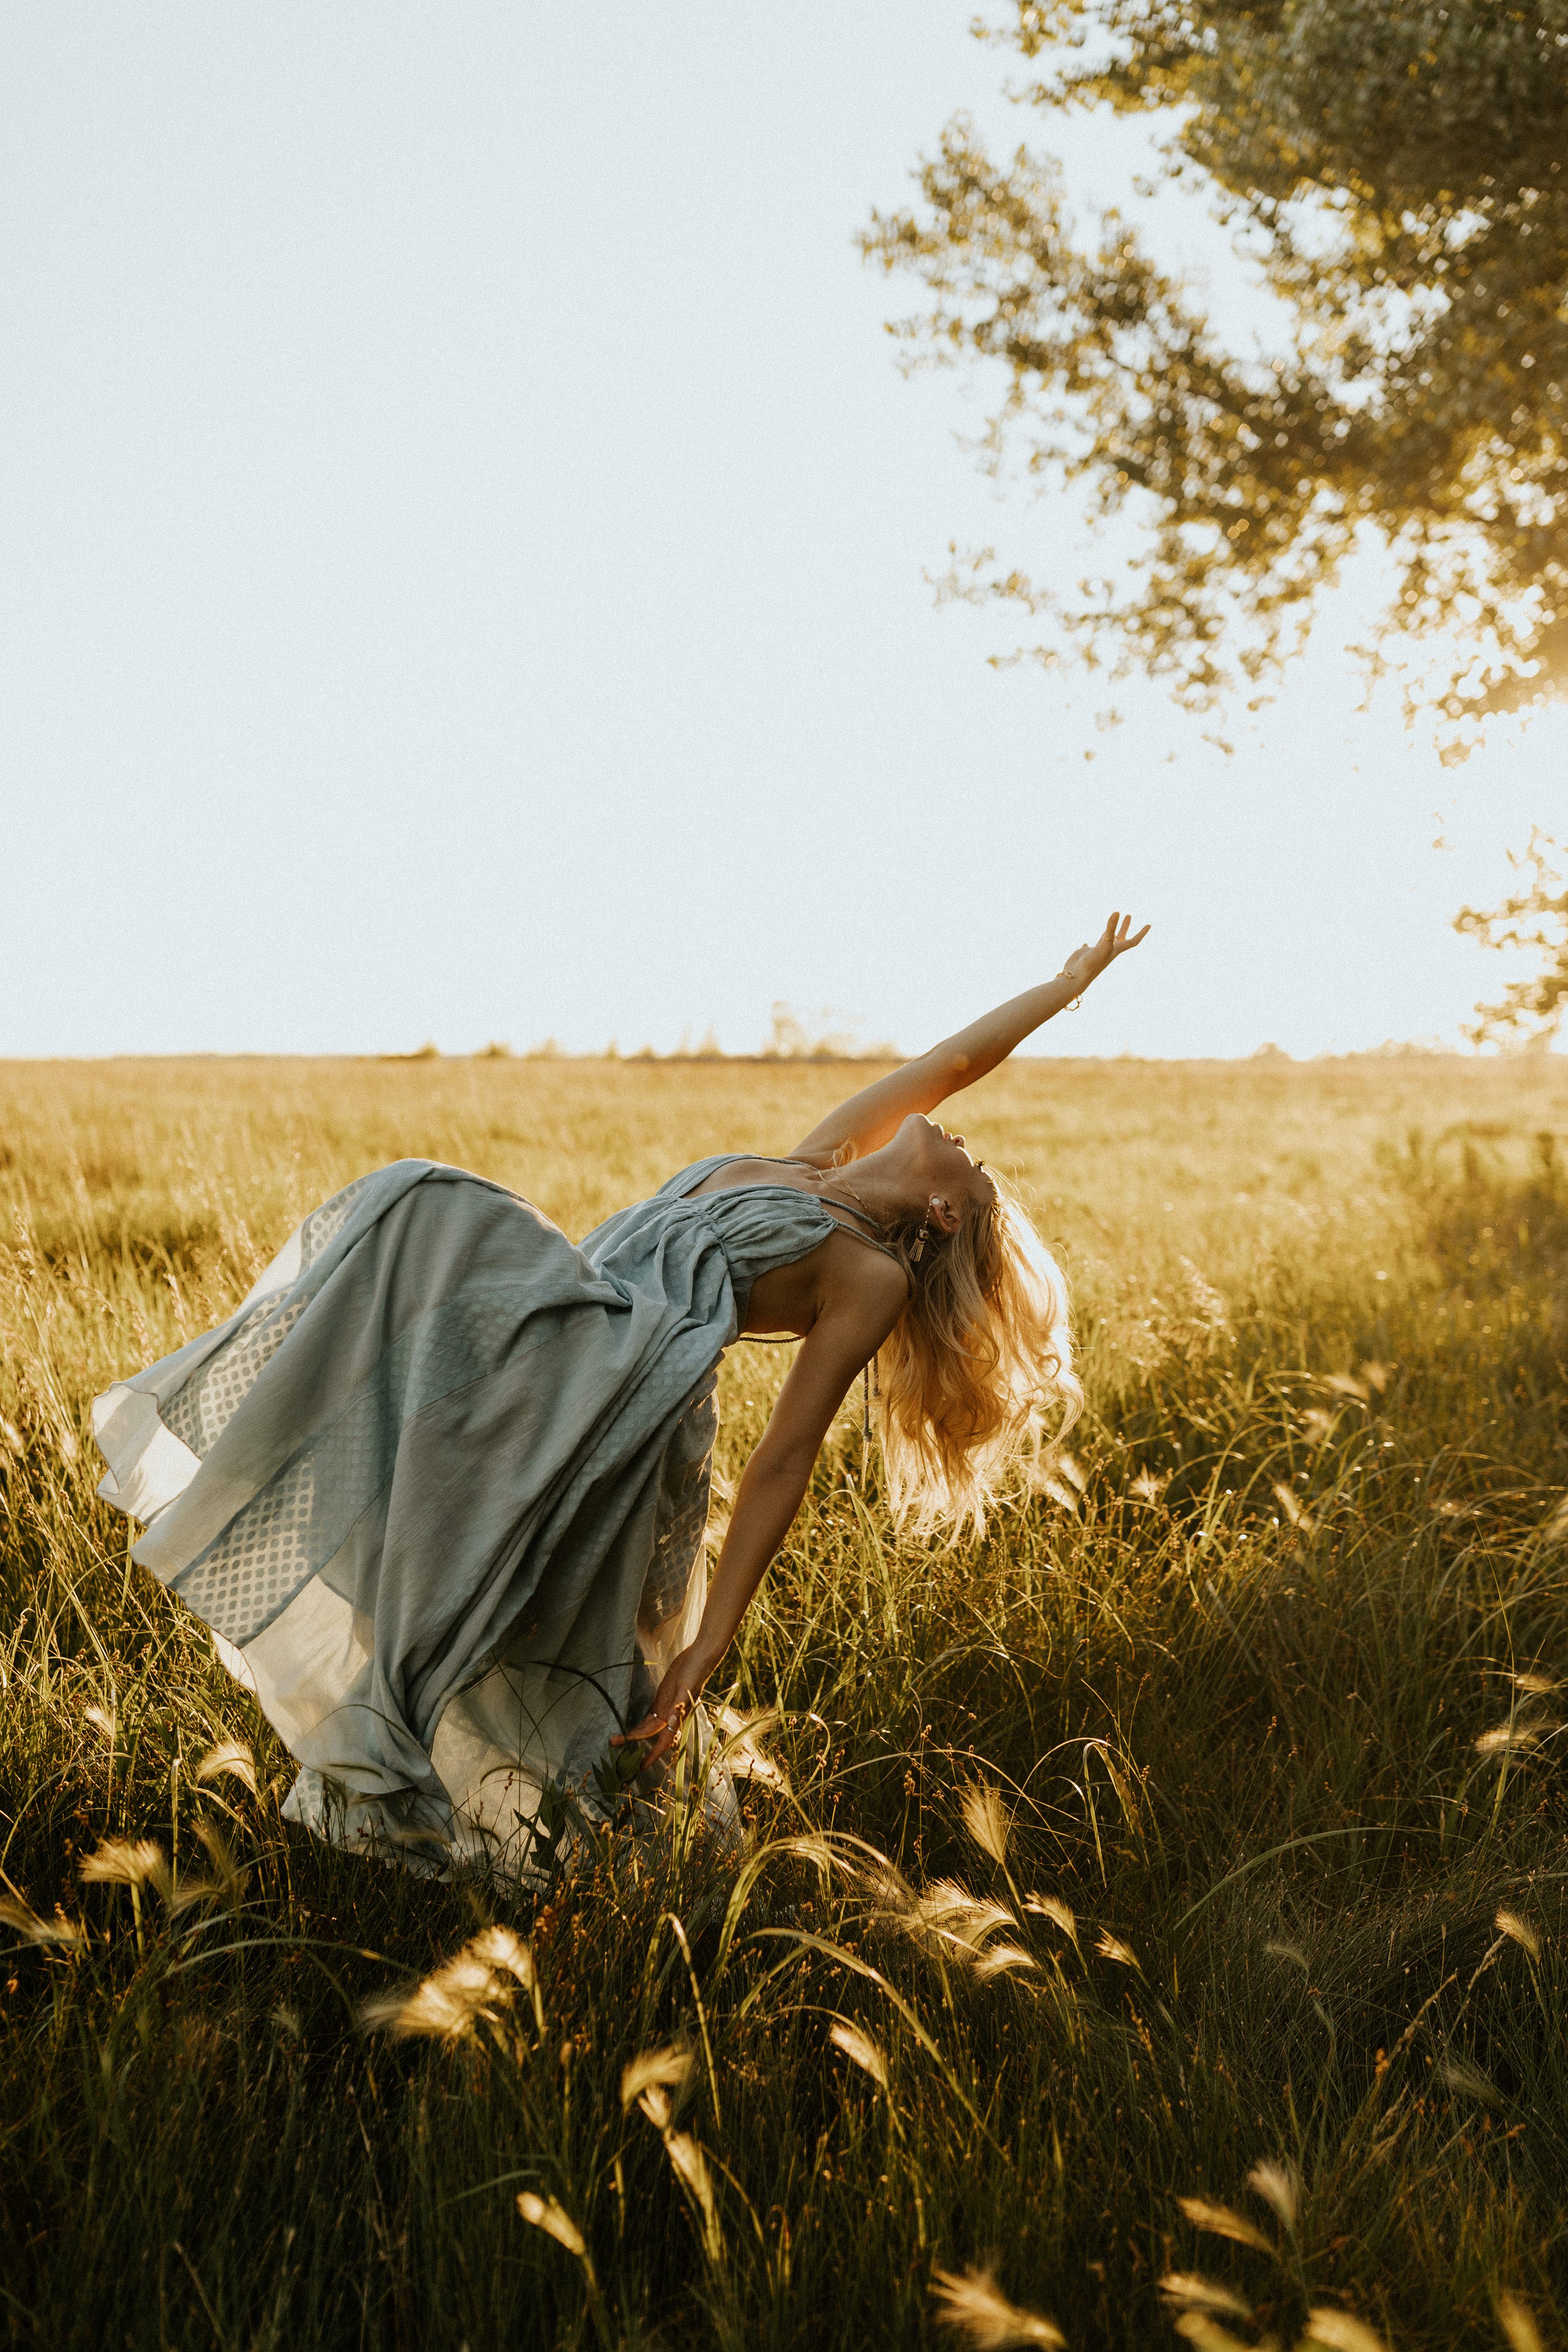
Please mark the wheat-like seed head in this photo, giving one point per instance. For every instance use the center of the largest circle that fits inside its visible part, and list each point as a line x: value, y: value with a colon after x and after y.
x: 1112, y: 1948
x: 655, y: 2104
x: 1341, y: 2331
x: 1535, y: 1685
x: 1518, y: 2323
x: 859, y: 2048
x: 1192, y: 2292
x: 546, y: 2215
x: 972, y: 2304
x: 453, y: 1997
x: 1003, y: 1960
x: 1205, y: 2214
x: 1207, y: 2333
x: 985, y: 1819
x: 128, y: 1861
x: 668, y: 2066
x: 230, y: 1756
x: 1280, y: 2186
x: 1520, y: 1931
x: 1051, y: 1907
x: 25, y: 1922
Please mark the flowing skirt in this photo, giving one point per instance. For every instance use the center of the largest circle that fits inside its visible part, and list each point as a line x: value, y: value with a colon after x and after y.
x: 439, y: 1489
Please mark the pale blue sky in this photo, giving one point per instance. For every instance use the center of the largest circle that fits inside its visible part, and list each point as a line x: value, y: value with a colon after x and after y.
x: 461, y: 551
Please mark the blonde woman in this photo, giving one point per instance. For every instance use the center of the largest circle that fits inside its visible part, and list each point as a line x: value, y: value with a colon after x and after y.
x: 440, y: 1486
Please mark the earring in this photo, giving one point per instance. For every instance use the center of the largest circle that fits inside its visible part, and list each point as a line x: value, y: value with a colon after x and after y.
x: 919, y: 1249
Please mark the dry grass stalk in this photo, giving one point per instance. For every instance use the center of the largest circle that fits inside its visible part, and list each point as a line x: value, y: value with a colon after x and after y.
x: 972, y: 2304
x: 860, y: 2050
x: 1205, y: 2214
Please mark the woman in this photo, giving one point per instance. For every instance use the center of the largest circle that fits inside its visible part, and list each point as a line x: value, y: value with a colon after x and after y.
x: 440, y: 1486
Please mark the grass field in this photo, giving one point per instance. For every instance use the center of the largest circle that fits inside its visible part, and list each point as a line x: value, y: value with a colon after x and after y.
x: 1169, y: 1888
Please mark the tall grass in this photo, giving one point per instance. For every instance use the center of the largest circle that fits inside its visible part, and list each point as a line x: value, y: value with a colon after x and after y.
x: 1149, y: 1919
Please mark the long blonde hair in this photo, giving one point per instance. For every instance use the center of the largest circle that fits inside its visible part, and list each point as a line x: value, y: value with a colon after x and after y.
x: 980, y: 1356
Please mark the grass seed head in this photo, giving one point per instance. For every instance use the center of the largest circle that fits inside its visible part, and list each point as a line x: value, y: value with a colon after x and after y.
x: 1192, y: 2292
x: 1207, y: 2333
x: 102, y: 1720
x: 1341, y: 2331
x: 1535, y: 1685
x: 1520, y: 1930
x: 1518, y: 2323
x: 230, y: 1756
x: 667, y: 2067
x: 1205, y: 2214
x: 128, y: 1861
x: 1294, y: 1509
x: 972, y: 2304
x: 554, y: 2220
x: 25, y: 1922
x: 1280, y: 2186
x: 655, y: 2104
x: 1051, y: 1907
x: 1112, y: 1948
x: 985, y: 1819
x: 1002, y: 1960
x: 860, y: 2050
x: 452, y: 1999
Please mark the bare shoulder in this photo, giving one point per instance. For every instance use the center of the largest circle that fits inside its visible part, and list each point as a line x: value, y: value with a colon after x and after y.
x: 862, y: 1285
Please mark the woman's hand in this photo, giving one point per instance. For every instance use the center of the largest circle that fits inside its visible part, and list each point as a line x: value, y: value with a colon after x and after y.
x: 677, y: 1698
x: 1087, y: 962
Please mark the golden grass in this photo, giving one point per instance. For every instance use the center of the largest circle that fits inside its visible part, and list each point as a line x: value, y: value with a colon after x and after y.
x: 1174, y: 1878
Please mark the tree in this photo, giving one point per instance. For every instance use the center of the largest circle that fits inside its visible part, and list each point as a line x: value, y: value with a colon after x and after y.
x: 1536, y: 916
x: 1395, y: 172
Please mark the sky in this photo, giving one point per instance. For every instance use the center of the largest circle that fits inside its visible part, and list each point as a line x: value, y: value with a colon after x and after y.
x: 465, y: 565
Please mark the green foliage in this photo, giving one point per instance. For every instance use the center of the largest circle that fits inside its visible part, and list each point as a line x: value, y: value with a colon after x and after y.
x: 1535, y: 917
x: 1169, y: 1889
x: 1397, y: 177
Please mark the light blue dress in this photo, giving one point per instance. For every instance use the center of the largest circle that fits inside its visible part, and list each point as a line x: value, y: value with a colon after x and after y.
x: 439, y: 1489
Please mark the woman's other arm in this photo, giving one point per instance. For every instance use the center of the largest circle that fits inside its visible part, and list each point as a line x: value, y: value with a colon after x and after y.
x: 871, y: 1117
x: 844, y: 1338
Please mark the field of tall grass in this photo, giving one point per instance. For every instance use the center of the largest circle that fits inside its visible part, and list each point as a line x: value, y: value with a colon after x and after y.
x: 1150, y: 1920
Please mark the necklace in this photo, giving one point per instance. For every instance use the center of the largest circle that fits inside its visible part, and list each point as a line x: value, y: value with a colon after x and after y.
x: 854, y: 1196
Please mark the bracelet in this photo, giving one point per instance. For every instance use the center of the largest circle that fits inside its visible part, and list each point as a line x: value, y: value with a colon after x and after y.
x: 1078, y: 1000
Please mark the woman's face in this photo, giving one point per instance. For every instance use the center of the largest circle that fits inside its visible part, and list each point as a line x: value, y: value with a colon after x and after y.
x: 941, y: 1163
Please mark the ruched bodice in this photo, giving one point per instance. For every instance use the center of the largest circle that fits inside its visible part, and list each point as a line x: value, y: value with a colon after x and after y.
x: 756, y: 1228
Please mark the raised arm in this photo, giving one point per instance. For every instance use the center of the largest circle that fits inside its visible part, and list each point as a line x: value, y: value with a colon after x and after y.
x: 871, y: 1117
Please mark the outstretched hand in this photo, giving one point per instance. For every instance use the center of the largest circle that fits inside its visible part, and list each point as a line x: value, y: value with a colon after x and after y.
x: 1087, y: 962
x: 664, y: 1725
